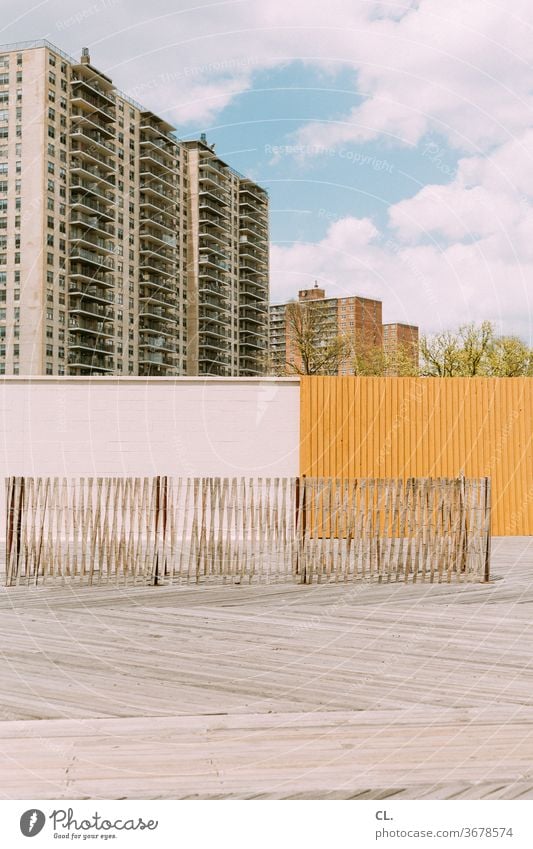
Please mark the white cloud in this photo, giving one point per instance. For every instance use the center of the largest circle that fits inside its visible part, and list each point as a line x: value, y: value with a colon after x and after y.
x: 462, y: 69
x: 421, y: 283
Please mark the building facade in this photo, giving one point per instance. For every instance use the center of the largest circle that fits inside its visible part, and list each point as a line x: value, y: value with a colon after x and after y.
x: 96, y: 247
x: 227, y: 287
x: 356, y: 319
x: 400, y: 341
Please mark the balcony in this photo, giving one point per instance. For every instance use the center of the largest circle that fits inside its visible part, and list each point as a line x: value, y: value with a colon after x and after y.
x: 159, y: 178
x: 149, y: 250
x: 92, y: 122
x: 150, y: 268
x: 212, y: 261
x: 79, y: 237
x: 88, y: 343
x: 94, y: 173
x: 92, y: 223
x: 254, y: 316
x: 95, y: 89
x: 159, y: 343
x: 83, y: 272
x: 93, y: 139
x: 157, y: 236
x: 150, y: 160
x: 93, y: 156
x: 86, y: 362
x: 210, y: 163
x: 152, y: 206
x: 248, y: 190
x: 94, y: 189
x: 158, y: 297
x: 92, y: 106
x: 157, y: 313
x: 163, y: 145
x: 153, y: 224
x: 94, y: 328
x: 211, y: 222
x: 158, y: 128
x: 81, y: 308
x: 78, y: 253
x: 86, y: 203
x: 206, y: 204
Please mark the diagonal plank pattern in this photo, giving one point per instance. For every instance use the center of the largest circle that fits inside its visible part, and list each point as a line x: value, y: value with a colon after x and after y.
x: 319, y: 691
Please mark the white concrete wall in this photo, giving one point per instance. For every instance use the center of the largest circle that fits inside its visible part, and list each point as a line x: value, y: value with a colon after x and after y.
x: 148, y: 426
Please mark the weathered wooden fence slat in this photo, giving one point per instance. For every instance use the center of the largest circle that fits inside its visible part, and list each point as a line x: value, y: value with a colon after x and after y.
x: 309, y: 530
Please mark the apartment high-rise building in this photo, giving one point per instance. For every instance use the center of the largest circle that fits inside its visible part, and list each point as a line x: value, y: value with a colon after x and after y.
x: 227, y: 292
x: 356, y: 319
x: 97, y: 250
x: 401, y: 340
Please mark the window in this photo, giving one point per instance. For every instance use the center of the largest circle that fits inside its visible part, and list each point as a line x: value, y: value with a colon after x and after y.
x: 52, y: 60
x: 50, y: 314
x: 4, y: 97
x: 4, y: 114
x: 51, y: 168
x: 4, y: 79
x: 4, y: 132
x: 51, y: 95
x: 51, y: 114
x: 51, y: 78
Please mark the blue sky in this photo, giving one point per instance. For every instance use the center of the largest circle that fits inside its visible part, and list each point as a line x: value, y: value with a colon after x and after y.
x: 257, y: 134
x: 395, y: 136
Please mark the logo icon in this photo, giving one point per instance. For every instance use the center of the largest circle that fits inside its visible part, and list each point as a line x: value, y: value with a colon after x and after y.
x: 32, y: 822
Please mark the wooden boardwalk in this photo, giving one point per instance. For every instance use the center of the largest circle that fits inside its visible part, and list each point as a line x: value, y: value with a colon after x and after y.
x: 356, y: 691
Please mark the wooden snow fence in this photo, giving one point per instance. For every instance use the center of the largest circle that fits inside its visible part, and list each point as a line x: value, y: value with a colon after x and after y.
x: 192, y: 530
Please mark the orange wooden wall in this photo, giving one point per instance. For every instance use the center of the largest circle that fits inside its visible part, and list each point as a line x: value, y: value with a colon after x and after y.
x: 425, y: 427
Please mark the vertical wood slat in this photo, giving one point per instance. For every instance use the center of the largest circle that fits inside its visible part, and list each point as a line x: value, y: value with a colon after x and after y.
x: 107, y: 529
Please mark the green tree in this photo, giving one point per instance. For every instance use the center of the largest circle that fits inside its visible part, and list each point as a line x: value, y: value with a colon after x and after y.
x: 510, y: 357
